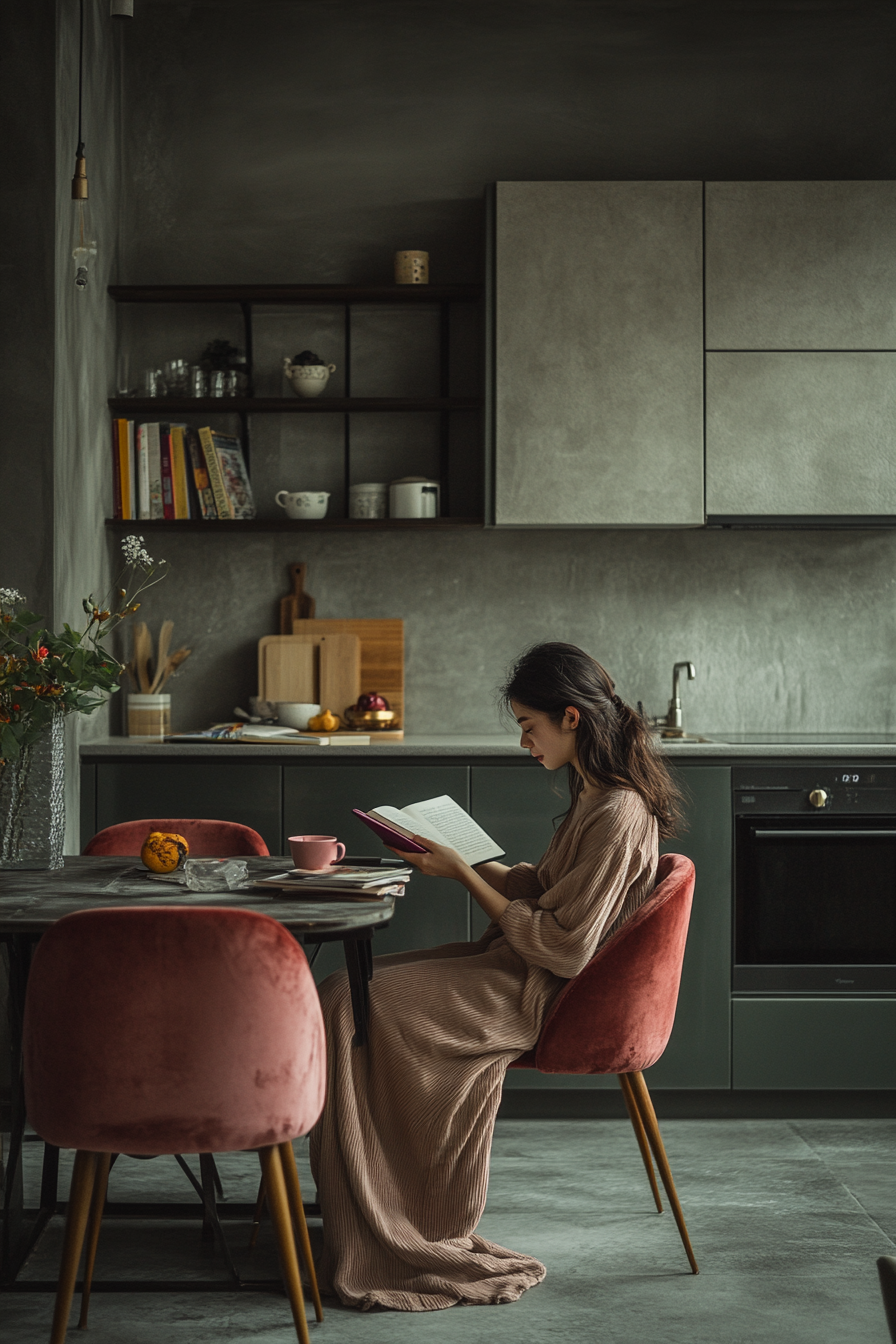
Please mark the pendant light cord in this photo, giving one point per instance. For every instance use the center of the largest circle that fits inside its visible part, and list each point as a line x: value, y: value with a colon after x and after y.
x: 80, y: 78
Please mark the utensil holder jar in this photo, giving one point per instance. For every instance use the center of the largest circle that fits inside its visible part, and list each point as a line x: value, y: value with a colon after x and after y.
x: 149, y: 717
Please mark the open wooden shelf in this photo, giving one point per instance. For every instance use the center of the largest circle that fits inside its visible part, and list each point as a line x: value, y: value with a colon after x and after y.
x: 289, y: 405
x: 319, y: 294
x: 231, y: 525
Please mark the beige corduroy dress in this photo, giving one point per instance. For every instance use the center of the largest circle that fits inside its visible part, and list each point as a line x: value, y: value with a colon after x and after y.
x: 401, y: 1152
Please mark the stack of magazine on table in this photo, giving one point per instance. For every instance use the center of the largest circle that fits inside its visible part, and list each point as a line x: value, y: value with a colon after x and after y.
x: 341, y: 882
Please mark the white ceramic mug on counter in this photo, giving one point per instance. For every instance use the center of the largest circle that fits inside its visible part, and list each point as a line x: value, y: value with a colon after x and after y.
x: 295, y: 713
x: 414, y: 497
x: 303, y: 503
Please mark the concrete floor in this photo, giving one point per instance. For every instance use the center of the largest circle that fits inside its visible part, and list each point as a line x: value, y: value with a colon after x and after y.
x: 787, y: 1219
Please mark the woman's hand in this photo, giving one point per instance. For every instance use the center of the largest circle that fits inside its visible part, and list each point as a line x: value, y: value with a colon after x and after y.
x: 438, y: 861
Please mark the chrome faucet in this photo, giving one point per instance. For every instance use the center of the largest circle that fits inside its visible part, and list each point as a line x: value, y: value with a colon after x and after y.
x: 674, y: 716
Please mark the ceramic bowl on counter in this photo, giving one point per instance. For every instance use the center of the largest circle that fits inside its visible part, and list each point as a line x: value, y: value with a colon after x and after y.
x: 295, y: 713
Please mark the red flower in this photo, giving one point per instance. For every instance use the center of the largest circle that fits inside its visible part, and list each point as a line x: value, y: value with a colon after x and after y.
x: 40, y: 653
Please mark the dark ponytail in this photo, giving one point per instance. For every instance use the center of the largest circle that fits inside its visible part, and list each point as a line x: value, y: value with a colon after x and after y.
x: 614, y: 747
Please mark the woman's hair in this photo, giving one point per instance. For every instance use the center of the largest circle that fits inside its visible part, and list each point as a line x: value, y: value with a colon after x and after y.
x: 614, y: 747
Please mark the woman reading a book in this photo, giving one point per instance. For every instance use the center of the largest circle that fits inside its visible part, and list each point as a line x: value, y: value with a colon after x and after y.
x: 401, y: 1152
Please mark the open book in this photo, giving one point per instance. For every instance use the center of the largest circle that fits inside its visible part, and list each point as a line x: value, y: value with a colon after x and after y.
x: 439, y: 819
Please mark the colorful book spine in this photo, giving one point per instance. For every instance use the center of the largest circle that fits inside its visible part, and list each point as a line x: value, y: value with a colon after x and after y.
x: 222, y: 499
x: 125, y: 434
x: 116, y: 472
x: 167, y: 471
x: 156, y: 506
x: 179, y: 473
x: 142, y: 472
x: 201, y: 483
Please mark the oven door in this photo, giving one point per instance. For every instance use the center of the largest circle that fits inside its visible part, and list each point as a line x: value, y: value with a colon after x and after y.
x: 815, y: 904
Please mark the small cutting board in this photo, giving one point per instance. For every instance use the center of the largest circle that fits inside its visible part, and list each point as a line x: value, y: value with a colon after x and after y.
x: 298, y: 604
x: 286, y: 670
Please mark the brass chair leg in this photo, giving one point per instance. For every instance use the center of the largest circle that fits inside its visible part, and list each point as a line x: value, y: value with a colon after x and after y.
x: 256, y: 1217
x: 97, y: 1204
x: 638, y: 1127
x: 75, y: 1225
x: 294, y: 1192
x: 278, y: 1203
x: 648, y: 1116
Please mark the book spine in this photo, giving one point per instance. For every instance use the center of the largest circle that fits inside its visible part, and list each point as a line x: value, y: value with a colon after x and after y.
x: 132, y: 462
x: 156, y: 508
x: 179, y: 473
x: 167, y: 471
x: 143, y: 491
x: 116, y: 472
x: 222, y: 499
x: 125, y: 468
x: 201, y: 483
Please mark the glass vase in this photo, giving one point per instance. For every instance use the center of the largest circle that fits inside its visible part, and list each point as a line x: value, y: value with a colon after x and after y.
x: 32, y: 803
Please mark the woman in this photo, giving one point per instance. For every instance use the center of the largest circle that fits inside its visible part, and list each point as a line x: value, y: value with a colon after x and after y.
x: 401, y: 1152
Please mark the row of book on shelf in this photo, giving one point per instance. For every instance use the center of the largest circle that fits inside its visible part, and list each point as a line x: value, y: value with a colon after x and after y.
x: 173, y: 471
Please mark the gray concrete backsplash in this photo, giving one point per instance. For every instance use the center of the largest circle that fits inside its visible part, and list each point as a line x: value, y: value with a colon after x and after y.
x: 788, y: 630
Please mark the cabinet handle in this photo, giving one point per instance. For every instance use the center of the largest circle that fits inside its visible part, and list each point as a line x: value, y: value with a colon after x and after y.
x: 824, y: 834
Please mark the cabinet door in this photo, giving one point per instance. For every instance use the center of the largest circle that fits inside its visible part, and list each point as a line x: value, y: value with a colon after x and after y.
x: 800, y: 266
x: 698, y: 1053
x: 800, y: 433
x: 229, y: 791
x: 814, y: 1043
x: 598, y: 344
x: 318, y: 800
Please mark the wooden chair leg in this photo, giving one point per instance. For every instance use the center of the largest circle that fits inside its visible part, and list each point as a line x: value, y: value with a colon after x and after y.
x: 95, y: 1218
x: 638, y: 1127
x: 294, y: 1192
x: 256, y: 1217
x: 648, y: 1116
x: 278, y: 1203
x: 75, y: 1224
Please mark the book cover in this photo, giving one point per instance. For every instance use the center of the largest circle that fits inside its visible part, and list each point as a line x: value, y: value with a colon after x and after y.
x: 116, y: 471
x: 235, y: 475
x: 142, y: 460
x: 216, y: 479
x: 389, y: 834
x: 154, y: 454
x: 201, y: 484
x: 167, y: 472
x: 440, y: 819
x: 179, y: 473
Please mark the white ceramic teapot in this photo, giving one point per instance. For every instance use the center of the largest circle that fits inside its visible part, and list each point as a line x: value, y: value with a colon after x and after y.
x: 308, y: 380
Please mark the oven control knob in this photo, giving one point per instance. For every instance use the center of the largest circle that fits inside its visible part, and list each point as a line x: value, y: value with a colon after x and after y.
x: 818, y: 798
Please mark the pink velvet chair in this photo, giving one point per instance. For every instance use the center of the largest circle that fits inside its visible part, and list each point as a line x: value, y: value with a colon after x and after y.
x: 616, y: 1016
x: 172, y: 1030
x: 207, y: 839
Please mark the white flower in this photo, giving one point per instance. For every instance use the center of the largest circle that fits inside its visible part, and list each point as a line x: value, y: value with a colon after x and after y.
x: 134, y: 552
x: 11, y: 596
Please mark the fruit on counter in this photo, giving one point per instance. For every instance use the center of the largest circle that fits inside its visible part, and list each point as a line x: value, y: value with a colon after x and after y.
x: 308, y: 357
x: 371, y: 702
x: 163, y: 851
x: 327, y: 722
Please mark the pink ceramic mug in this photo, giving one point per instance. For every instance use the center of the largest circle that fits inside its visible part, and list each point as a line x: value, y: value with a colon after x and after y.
x: 315, y: 851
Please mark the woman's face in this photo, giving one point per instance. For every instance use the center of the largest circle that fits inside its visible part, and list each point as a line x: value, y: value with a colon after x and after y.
x: 552, y: 744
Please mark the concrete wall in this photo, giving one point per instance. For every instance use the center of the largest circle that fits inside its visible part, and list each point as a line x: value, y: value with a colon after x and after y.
x: 291, y: 141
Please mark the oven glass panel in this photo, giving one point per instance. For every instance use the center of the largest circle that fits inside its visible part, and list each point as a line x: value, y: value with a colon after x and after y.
x: 806, y: 897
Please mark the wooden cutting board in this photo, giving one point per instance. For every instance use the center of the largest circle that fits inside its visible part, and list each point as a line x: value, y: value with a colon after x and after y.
x: 287, y: 669
x: 326, y: 668
x: 298, y: 604
x: 382, y: 655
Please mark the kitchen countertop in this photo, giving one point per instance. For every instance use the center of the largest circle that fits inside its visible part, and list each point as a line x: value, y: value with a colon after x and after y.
x: 738, y: 746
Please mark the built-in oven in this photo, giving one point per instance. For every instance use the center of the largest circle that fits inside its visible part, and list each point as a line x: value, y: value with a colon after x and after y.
x: 814, y: 879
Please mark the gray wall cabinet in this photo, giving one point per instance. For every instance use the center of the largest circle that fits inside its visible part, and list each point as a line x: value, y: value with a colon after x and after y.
x: 801, y: 433
x: 800, y: 265
x: 598, y: 351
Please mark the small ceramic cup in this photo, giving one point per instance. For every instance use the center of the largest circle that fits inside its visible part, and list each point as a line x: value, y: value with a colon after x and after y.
x: 370, y: 500
x: 315, y: 851
x: 295, y: 714
x: 303, y: 503
x: 412, y: 268
x: 307, y: 380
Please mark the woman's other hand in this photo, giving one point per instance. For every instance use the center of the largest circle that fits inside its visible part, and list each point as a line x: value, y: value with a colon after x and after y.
x: 438, y: 861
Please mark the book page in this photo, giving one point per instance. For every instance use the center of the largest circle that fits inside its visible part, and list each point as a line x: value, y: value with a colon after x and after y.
x: 407, y: 824
x: 451, y: 825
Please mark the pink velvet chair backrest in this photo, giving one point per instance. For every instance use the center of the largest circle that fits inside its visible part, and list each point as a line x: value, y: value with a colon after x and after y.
x: 171, y: 1030
x: 207, y: 839
x: 616, y: 1016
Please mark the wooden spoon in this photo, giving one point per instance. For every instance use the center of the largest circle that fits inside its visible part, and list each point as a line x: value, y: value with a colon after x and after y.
x: 142, y: 654
x: 162, y: 659
x: 173, y: 663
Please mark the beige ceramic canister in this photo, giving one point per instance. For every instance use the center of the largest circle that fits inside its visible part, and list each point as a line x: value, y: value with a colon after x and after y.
x: 149, y: 716
x: 412, y: 268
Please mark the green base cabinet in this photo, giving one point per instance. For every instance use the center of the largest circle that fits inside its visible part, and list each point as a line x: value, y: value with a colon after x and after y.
x: 792, y: 1044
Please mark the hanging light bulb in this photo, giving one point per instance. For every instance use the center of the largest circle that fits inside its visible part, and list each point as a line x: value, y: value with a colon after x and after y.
x: 83, y: 240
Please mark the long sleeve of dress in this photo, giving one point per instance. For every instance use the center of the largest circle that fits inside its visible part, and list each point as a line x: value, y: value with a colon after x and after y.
x: 557, y: 924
